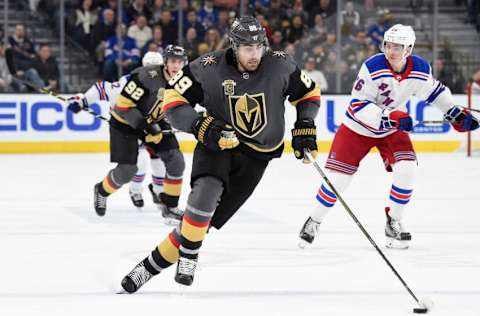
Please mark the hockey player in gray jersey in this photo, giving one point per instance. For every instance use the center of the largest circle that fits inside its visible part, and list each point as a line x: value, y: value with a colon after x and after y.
x: 137, y: 114
x: 243, y: 89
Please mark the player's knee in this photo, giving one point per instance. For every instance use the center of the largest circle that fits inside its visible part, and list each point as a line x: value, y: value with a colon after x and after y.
x: 405, y: 167
x: 174, y: 162
x: 206, y: 193
x: 123, y: 173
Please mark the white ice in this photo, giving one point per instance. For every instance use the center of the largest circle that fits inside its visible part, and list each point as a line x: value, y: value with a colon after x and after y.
x: 58, y: 258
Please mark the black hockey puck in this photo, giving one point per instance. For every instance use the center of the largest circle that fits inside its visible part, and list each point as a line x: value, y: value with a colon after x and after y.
x: 420, y: 310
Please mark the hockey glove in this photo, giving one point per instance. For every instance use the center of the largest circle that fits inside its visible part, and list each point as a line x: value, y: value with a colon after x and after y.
x: 214, y: 134
x: 461, y: 119
x: 77, y: 103
x: 154, y: 133
x: 397, y: 119
x: 304, y: 136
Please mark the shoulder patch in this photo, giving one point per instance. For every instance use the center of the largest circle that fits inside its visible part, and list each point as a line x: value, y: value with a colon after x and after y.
x: 376, y: 62
x: 209, y: 60
x: 420, y: 64
x: 279, y: 54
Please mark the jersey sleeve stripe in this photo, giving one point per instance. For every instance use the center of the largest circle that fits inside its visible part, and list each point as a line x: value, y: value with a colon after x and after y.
x: 172, y: 99
x: 313, y: 95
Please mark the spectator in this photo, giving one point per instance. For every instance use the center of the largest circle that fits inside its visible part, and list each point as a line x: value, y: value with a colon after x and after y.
x: 277, y: 41
x: 128, y: 58
x: 22, y: 47
x: 191, y: 43
x: 297, y: 30
x: 192, y: 21
x: 223, y: 24
x: 213, y: 39
x: 268, y: 31
x: 208, y: 15
x: 316, y: 75
x: 330, y: 71
x: 318, y: 33
x: 376, y: 31
x: 86, y: 17
x: 140, y: 31
x: 102, y: 31
x: 298, y: 9
x: 157, y: 9
x: 275, y: 14
x: 476, y: 84
x: 349, y: 19
x: 46, y: 67
x: 176, y: 9
x: 203, y: 49
x: 138, y: 7
x: 448, y: 74
x: 169, y: 27
x: 112, y: 5
x: 5, y: 77
x: 326, y: 8
x: 330, y: 43
x: 157, y: 39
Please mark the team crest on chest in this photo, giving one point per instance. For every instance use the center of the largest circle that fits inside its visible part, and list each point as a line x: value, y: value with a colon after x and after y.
x: 248, y: 113
x: 229, y: 86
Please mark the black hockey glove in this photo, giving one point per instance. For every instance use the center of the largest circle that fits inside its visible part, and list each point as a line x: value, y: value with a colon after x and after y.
x: 214, y: 134
x: 304, y: 136
x: 154, y: 133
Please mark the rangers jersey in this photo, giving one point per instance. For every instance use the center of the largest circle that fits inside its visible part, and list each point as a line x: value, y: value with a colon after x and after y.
x: 105, y: 91
x: 379, y: 90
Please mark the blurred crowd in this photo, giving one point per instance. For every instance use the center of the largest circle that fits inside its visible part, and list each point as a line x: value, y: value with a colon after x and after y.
x: 305, y: 29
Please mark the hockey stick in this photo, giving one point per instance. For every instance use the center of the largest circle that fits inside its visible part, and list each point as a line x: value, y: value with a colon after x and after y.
x: 422, y: 305
x: 53, y: 94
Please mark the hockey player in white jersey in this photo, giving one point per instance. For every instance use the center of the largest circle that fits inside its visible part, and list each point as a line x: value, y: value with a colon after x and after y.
x: 108, y: 92
x: 377, y: 117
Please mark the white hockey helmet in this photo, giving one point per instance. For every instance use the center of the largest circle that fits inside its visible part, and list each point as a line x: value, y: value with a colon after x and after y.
x: 400, y: 34
x: 152, y: 58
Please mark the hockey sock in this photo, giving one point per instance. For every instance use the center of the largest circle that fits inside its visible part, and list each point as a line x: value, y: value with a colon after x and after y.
x: 202, y: 201
x: 165, y: 254
x: 109, y: 185
x: 326, y: 197
x: 136, y: 185
x: 172, y: 187
x: 402, y: 187
x: 158, y: 174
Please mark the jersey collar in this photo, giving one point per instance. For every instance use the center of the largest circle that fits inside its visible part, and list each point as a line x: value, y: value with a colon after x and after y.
x: 399, y: 76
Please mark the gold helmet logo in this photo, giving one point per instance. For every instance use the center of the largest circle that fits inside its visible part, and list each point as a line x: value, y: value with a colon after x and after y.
x: 248, y: 113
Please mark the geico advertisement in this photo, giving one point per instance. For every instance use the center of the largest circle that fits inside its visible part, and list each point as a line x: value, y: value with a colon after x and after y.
x: 42, y: 117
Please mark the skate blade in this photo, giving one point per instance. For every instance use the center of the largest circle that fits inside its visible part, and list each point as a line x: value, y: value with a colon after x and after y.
x: 393, y: 243
x: 302, y: 244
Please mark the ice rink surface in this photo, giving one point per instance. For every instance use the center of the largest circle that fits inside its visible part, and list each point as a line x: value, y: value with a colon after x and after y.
x: 59, y: 258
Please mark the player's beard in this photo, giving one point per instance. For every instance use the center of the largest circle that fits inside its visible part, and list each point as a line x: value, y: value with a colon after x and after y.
x: 250, y: 65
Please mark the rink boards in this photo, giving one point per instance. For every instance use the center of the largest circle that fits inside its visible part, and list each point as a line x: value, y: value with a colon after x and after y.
x: 41, y: 124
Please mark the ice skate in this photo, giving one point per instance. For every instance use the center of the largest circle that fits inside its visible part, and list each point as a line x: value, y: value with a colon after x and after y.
x: 136, y: 278
x: 185, y: 270
x: 99, y: 201
x: 308, y: 232
x: 137, y: 199
x: 397, y: 236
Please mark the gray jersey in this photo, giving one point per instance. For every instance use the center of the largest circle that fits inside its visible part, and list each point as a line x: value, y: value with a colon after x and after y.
x: 141, y: 98
x: 252, y: 102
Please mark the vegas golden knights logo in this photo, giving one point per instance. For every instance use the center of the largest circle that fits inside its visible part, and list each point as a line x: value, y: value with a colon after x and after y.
x: 248, y: 113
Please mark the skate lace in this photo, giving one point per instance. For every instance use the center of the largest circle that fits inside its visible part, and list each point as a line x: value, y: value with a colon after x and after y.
x: 175, y: 210
x: 140, y: 275
x: 136, y: 196
x: 311, y: 227
x: 101, y: 201
x: 395, y: 226
x: 187, y: 266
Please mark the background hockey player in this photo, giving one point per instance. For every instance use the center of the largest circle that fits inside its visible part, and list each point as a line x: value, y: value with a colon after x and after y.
x: 108, y: 92
x: 137, y: 115
x: 242, y: 130
x: 377, y: 117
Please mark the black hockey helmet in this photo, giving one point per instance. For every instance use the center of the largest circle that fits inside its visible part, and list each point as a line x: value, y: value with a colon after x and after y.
x: 175, y: 51
x: 247, y: 30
